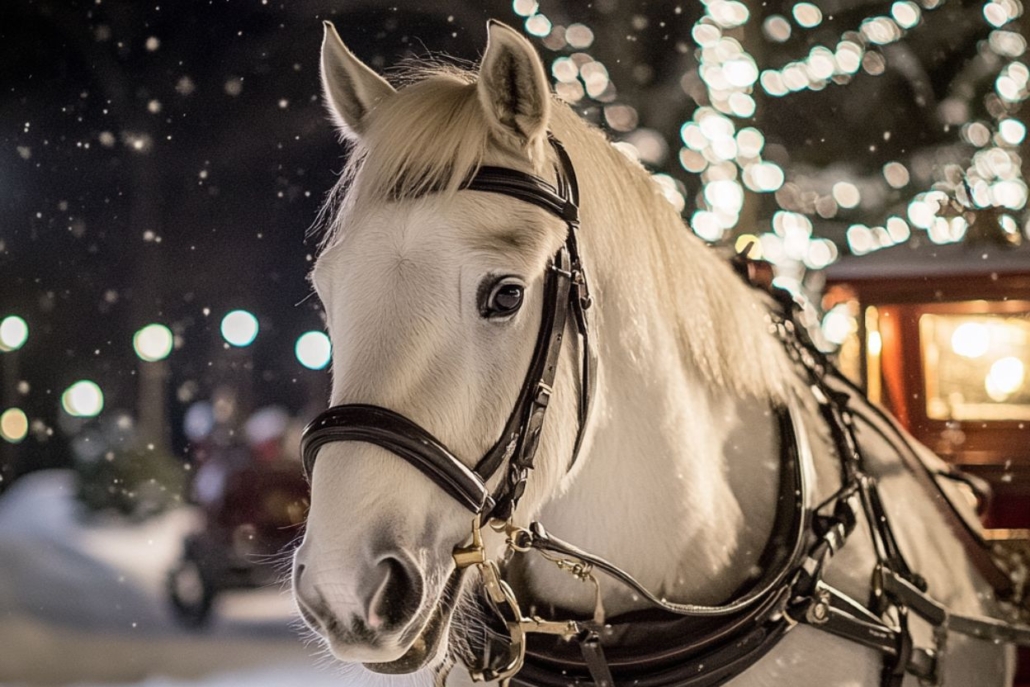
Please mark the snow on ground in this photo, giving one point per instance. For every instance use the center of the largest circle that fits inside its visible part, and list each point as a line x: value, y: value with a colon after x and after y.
x: 82, y: 602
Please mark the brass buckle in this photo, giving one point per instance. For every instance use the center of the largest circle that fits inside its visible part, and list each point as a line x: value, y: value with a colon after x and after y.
x: 502, y: 596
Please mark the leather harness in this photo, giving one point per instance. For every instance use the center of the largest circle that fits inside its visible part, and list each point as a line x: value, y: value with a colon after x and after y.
x: 688, y: 645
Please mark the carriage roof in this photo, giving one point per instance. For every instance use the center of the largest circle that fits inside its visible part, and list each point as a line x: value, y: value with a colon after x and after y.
x: 921, y: 259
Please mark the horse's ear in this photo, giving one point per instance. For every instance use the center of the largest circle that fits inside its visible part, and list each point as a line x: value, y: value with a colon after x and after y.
x: 513, y: 88
x: 351, y: 89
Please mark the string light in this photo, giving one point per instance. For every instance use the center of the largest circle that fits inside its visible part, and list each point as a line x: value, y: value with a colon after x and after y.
x: 727, y: 153
x: 580, y: 76
x: 993, y: 178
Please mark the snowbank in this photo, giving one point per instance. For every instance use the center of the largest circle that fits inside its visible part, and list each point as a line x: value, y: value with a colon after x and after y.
x: 82, y: 602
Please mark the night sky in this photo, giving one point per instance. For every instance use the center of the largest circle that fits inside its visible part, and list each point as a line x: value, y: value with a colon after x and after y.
x: 165, y: 163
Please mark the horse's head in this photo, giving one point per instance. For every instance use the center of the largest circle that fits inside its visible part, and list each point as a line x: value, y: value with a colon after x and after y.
x: 434, y: 298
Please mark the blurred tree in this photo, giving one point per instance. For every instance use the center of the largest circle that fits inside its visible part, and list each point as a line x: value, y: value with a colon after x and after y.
x: 818, y: 127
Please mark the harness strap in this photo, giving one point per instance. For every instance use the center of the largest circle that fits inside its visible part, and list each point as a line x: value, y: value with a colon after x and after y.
x: 593, y: 655
x: 531, y: 427
x: 833, y: 611
x: 938, y: 615
x: 971, y: 540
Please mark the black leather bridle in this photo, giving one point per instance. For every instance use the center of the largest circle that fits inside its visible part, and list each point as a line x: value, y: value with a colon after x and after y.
x: 565, y: 291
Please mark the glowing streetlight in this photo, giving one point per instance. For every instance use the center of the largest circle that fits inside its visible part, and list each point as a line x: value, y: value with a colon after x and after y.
x: 239, y: 328
x: 313, y: 350
x: 83, y: 399
x: 153, y: 342
x: 13, y: 333
x: 14, y: 425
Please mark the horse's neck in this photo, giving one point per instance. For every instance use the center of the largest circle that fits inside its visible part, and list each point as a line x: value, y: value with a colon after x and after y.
x: 679, y: 479
x: 677, y: 488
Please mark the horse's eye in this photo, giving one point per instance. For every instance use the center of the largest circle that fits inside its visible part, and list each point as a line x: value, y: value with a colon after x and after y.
x: 504, y: 299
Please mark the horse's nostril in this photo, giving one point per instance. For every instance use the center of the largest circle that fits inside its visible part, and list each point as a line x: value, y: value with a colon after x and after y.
x: 298, y: 571
x: 397, y: 597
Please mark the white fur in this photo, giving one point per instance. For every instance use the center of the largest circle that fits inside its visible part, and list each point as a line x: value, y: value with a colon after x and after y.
x: 678, y: 478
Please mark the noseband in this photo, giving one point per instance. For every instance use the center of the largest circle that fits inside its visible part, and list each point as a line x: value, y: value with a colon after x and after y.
x: 565, y: 291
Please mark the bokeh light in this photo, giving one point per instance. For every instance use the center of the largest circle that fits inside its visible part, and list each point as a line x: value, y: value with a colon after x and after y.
x: 807, y: 15
x: 1005, y: 377
x: 313, y: 350
x: 83, y: 399
x: 970, y: 340
x: 14, y: 425
x: 14, y: 331
x: 153, y: 342
x: 239, y: 328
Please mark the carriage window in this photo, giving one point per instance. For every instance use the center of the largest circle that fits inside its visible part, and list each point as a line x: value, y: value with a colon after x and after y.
x: 975, y: 367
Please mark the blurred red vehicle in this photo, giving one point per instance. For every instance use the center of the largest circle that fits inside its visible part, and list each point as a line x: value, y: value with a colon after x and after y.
x: 254, y: 499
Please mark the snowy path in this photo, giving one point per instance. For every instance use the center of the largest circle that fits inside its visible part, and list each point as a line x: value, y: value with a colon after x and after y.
x: 83, y: 604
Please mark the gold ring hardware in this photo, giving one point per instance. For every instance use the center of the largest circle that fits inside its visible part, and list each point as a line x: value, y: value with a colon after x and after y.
x: 503, y: 597
x: 473, y: 554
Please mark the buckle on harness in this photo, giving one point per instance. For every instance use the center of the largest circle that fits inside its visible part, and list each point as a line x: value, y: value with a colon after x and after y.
x: 504, y: 602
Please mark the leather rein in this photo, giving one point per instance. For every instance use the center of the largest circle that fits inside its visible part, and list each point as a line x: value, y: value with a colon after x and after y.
x: 724, y: 639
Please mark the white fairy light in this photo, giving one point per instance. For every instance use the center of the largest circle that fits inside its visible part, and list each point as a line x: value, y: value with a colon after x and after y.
x: 538, y: 25
x: 896, y: 174
x: 1012, y: 131
x: 807, y: 15
x: 906, y: 14
x: 898, y: 230
x: 706, y: 225
x: 821, y: 253
x: 525, y: 8
x: 776, y: 28
x: 579, y: 36
x: 846, y: 194
x: 860, y: 239
x: 313, y: 350
x: 750, y: 142
x: 1007, y: 43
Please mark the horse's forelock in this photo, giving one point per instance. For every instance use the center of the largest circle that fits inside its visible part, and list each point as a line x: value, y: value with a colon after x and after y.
x: 428, y: 139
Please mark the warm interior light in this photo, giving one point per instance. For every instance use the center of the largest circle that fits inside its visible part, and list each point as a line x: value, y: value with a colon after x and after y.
x: 971, y: 340
x: 875, y: 343
x: 1005, y: 378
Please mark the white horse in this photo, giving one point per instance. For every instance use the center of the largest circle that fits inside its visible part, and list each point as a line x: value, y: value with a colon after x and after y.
x: 433, y: 299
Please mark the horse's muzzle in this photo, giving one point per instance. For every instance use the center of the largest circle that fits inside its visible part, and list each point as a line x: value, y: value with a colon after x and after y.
x: 377, y: 618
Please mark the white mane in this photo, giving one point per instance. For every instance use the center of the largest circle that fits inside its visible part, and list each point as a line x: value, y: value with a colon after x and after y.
x: 433, y: 135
